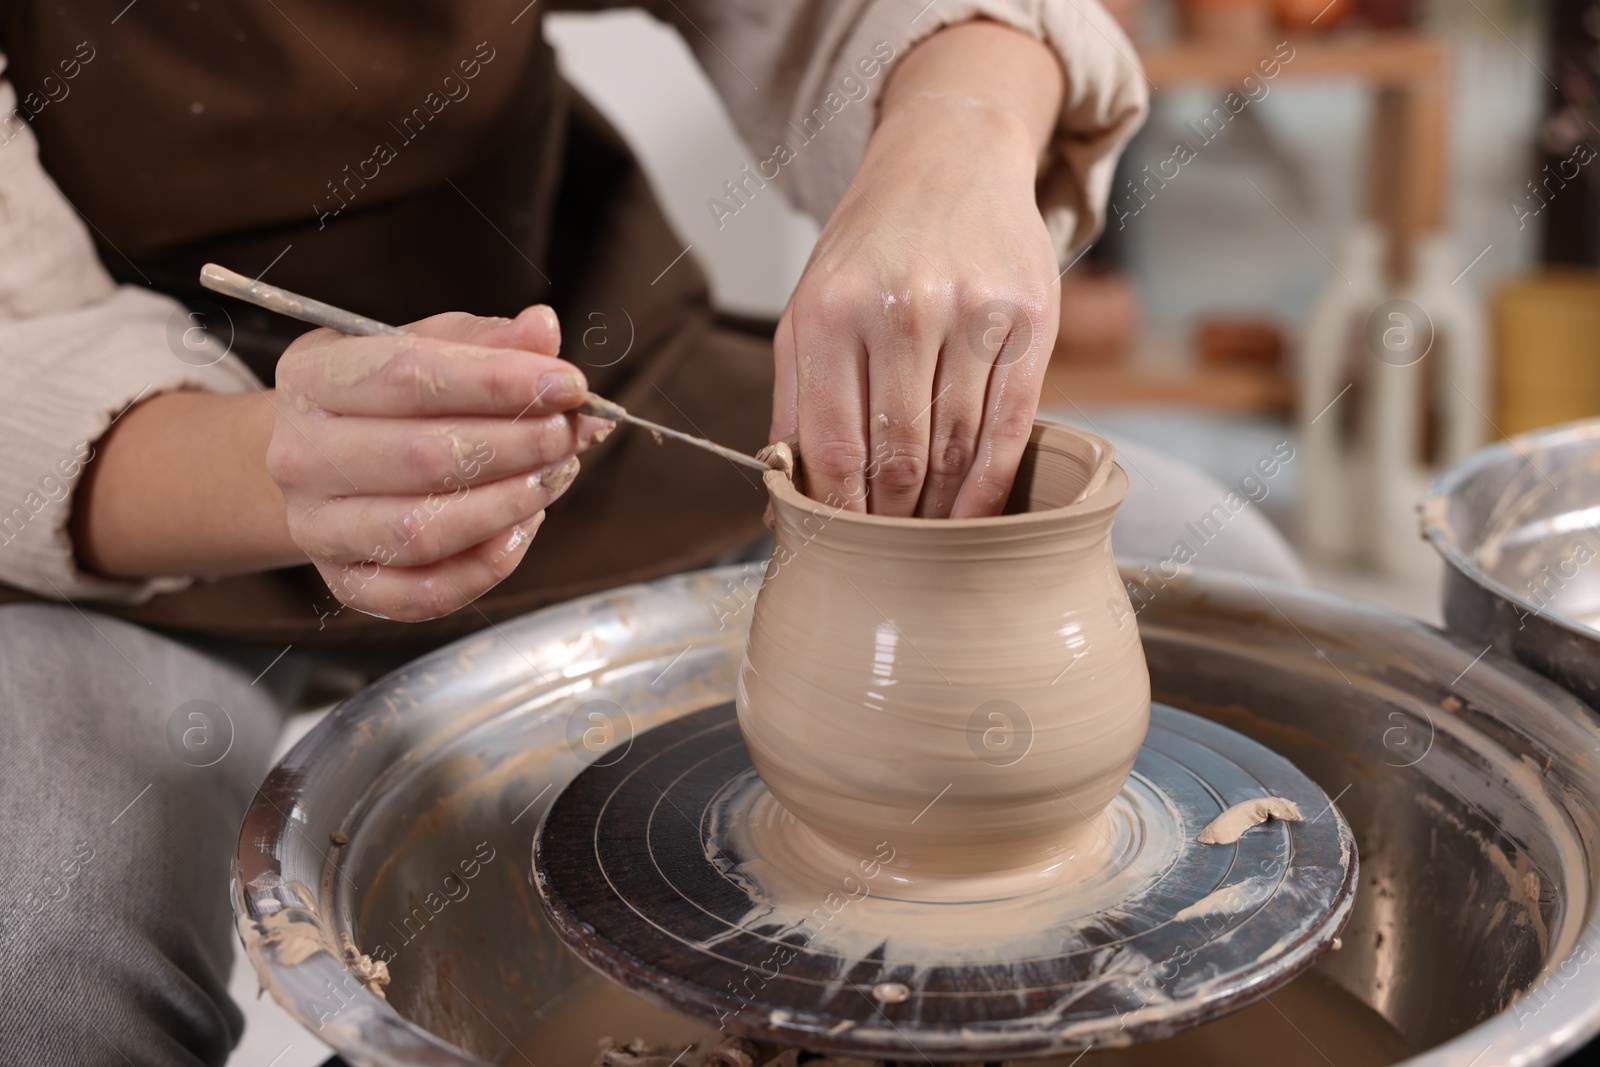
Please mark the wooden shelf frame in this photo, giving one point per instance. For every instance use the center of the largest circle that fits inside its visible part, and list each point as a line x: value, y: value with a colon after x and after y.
x: 1407, y: 165
x: 1407, y: 186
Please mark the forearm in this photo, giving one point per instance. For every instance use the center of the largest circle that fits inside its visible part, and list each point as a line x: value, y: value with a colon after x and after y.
x: 913, y: 351
x: 179, y: 486
x: 976, y: 86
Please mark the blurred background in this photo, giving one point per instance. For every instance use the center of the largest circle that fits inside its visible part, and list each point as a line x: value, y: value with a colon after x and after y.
x: 1381, y: 249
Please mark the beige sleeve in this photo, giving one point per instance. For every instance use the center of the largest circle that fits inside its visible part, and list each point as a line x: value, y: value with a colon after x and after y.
x: 802, y: 80
x: 76, y: 350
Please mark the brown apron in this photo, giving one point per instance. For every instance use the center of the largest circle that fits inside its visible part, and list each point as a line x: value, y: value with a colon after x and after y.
x: 402, y: 160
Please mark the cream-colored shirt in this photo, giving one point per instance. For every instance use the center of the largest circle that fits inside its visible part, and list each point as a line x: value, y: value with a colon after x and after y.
x: 77, y: 350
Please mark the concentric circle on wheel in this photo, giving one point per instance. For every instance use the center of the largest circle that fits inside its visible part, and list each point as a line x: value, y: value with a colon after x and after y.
x: 651, y: 869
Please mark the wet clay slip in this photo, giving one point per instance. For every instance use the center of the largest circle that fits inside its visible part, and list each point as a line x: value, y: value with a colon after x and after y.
x: 968, y: 694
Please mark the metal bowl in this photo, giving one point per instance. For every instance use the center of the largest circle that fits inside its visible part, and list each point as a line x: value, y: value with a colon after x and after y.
x: 1519, y: 525
x: 404, y: 821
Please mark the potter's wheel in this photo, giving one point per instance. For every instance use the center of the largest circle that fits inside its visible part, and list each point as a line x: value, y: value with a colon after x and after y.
x: 644, y: 868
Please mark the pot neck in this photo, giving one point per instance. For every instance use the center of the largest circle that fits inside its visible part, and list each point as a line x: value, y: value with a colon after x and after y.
x: 1066, y: 491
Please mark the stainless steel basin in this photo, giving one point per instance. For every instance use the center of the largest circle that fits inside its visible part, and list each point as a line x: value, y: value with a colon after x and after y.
x: 1518, y: 524
x: 405, y: 820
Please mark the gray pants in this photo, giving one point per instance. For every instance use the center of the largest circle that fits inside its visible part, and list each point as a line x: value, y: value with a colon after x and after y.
x: 126, y: 762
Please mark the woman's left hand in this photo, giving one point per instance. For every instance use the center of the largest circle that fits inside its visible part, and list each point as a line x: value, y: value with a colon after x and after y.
x: 912, y: 353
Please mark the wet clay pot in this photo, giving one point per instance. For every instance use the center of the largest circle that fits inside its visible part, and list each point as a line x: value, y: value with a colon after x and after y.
x: 971, y: 692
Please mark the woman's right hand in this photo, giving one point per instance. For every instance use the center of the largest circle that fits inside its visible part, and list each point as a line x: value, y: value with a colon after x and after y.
x: 417, y: 469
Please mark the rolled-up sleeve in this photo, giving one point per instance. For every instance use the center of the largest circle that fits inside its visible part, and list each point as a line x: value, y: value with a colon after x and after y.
x: 76, y: 351
x: 802, y: 81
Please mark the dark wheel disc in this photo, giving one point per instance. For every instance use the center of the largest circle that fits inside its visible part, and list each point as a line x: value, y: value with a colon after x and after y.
x: 639, y: 870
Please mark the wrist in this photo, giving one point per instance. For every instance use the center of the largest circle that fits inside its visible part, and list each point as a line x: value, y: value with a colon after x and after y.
x: 975, y: 91
x: 178, y: 486
x: 933, y: 128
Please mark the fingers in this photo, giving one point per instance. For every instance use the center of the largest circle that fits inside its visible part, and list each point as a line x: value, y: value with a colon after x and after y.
x: 785, y: 380
x: 1010, y: 403
x: 903, y: 356
x: 535, y: 329
x: 831, y: 392
x: 458, y: 364
x: 415, y: 594
x: 785, y: 392
x: 923, y: 411
x: 415, y: 456
x: 975, y: 349
x: 411, y: 376
x: 412, y: 531
x: 417, y: 467
x: 955, y: 419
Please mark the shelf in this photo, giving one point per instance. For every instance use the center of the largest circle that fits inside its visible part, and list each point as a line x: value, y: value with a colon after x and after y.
x: 1162, y: 372
x: 1236, y: 390
x: 1407, y: 180
x: 1407, y: 73
x: 1382, y: 58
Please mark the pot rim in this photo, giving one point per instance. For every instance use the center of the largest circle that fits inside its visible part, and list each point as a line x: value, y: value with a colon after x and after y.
x: 1434, y: 513
x: 1106, y: 497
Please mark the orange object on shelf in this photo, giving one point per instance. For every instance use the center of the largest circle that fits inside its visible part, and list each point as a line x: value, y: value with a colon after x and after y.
x: 1240, y: 342
x: 1227, y: 21
x: 1304, y: 16
x: 1099, y: 318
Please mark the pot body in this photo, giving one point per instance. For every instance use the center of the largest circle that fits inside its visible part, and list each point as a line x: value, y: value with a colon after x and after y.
x: 970, y: 692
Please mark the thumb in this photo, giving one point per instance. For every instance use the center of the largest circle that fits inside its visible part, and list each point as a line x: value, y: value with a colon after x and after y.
x: 535, y: 329
x: 785, y: 381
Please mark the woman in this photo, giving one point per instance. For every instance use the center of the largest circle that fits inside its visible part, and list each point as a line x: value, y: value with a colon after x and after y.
x: 423, y: 163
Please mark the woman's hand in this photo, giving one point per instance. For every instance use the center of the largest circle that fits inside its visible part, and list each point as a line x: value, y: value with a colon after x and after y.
x: 417, y: 470
x: 413, y: 471
x: 911, y: 356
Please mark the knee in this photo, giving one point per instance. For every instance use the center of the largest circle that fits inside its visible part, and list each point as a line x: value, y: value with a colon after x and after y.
x: 115, y: 844
x: 108, y: 979
x: 77, y: 687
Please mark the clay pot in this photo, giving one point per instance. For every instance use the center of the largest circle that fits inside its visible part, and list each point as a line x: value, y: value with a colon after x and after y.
x: 969, y: 692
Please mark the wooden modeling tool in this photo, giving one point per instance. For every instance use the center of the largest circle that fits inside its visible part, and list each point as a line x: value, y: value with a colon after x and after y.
x: 230, y: 283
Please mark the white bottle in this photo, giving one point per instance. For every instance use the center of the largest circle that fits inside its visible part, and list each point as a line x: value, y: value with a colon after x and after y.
x: 1428, y: 350
x: 1335, y: 509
